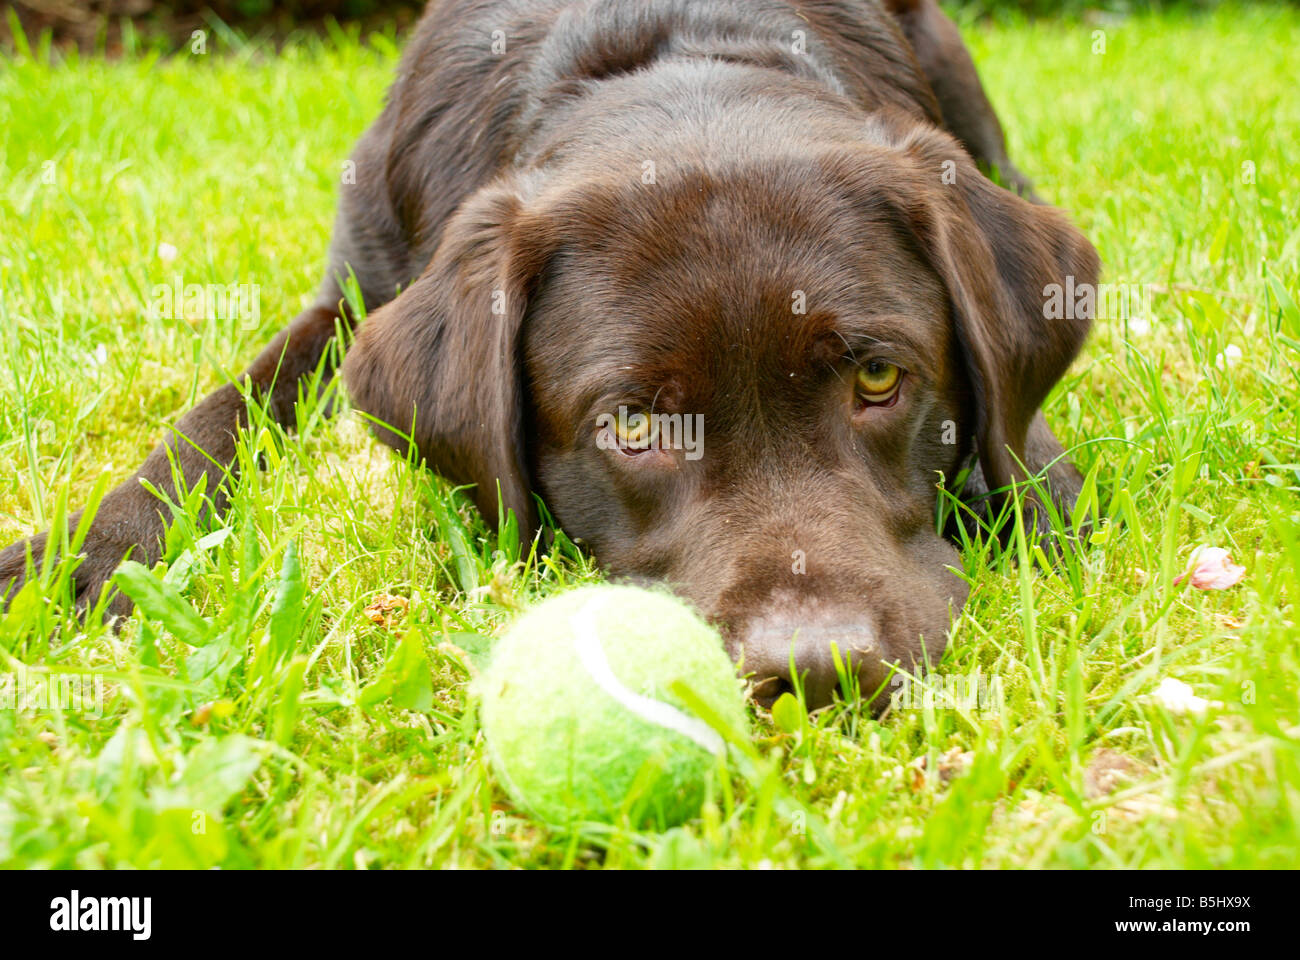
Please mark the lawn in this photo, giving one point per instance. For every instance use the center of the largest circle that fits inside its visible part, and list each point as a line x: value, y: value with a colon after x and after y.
x: 309, y: 706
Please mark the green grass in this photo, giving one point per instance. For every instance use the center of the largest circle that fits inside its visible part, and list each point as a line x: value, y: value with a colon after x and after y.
x: 271, y: 723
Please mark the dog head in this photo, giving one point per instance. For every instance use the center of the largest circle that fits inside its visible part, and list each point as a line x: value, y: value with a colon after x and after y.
x: 742, y: 376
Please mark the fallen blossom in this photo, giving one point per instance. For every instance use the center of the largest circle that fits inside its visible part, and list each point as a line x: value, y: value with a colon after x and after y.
x: 1230, y: 355
x: 1211, y: 568
x: 1177, y: 697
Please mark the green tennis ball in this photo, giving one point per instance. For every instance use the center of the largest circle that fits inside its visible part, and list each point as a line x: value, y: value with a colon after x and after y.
x: 580, y: 715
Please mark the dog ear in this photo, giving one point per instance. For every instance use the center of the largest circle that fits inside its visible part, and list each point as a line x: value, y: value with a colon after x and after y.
x: 441, y: 361
x: 1012, y: 270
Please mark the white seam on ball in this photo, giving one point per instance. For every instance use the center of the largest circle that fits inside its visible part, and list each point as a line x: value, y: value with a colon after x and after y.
x: 592, y: 656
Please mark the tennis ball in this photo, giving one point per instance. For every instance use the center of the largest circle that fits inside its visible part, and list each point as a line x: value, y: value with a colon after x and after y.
x: 580, y: 715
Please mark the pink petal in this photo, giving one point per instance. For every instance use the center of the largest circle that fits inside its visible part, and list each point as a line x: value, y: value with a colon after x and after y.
x: 1211, y: 568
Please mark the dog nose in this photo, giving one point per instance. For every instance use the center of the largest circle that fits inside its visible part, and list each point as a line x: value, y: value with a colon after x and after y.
x: 769, y: 648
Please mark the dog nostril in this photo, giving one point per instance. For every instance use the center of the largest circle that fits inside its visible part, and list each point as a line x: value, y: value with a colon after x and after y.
x: 770, y: 645
x: 767, y: 691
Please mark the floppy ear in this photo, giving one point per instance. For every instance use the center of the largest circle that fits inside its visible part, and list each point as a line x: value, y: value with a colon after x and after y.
x: 1010, y: 267
x: 441, y: 361
x: 1012, y: 270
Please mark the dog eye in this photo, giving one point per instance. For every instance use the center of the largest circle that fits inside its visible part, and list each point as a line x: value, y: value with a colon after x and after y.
x: 636, y: 431
x: 878, y: 381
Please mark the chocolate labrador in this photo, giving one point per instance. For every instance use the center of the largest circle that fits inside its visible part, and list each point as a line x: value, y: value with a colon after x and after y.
x: 723, y: 282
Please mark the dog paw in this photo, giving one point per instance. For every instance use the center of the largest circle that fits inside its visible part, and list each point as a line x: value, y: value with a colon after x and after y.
x: 13, y: 566
x: 96, y: 561
x: 126, y: 525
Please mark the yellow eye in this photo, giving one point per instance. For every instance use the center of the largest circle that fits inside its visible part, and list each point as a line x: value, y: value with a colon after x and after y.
x: 636, y: 431
x: 878, y: 380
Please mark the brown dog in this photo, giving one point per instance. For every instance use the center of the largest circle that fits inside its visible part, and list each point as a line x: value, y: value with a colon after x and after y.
x: 757, y: 228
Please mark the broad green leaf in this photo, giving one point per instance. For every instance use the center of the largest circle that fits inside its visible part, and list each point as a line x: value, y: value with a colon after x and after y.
x: 217, y: 769
x: 209, y: 667
x: 288, y: 703
x: 409, y: 669
x: 477, y: 647
x: 181, y: 570
x: 788, y: 716
x: 161, y: 601
x: 287, y: 610
x: 184, y: 838
x: 406, y: 677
